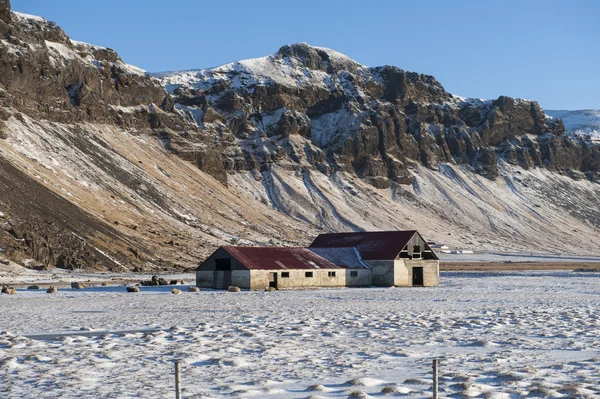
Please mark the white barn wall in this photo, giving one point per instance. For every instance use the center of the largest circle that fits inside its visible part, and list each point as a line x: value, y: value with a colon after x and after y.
x: 402, y: 274
x: 297, y: 278
x: 241, y: 278
x: 205, y: 279
x: 431, y: 271
x: 388, y: 273
x: 383, y: 272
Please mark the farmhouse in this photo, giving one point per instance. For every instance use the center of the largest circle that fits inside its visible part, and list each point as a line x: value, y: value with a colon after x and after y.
x: 387, y: 258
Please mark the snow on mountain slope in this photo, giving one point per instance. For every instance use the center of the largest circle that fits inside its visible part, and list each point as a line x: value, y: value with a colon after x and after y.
x: 584, y: 123
x: 168, y: 209
x: 278, y: 68
x: 343, y: 146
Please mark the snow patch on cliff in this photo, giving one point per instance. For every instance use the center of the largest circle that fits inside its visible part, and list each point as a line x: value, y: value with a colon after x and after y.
x: 286, y: 71
x: 29, y: 17
x: 581, y: 123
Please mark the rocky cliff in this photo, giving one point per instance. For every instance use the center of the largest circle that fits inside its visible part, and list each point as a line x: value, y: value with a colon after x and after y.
x: 101, y: 166
x: 96, y: 169
x: 311, y: 106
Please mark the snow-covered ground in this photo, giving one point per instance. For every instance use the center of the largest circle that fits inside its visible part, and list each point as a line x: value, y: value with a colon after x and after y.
x: 505, y: 336
x: 19, y: 276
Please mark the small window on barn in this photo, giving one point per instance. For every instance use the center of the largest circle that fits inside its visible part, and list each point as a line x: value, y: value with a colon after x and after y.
x: 416, y: 251
x: 354, y: 274
x: 331, y: 274
x: 285, y: 274
x: 308, y: 274
x: 404, y: 253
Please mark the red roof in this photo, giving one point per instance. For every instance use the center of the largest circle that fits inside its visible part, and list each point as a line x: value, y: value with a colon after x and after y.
x: 372, y: 245
x: 274, y: 258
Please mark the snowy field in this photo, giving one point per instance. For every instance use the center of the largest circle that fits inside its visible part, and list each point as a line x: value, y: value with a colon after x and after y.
x: 512, y: 335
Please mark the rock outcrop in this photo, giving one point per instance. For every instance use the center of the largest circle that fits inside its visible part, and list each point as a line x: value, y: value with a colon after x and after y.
x: 48, y: 78
x: 5, y: 14
x: 310, y: 106
x: 47, y: 75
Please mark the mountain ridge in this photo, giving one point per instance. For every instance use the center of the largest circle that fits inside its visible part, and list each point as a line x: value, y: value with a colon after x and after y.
x: 306, y: 69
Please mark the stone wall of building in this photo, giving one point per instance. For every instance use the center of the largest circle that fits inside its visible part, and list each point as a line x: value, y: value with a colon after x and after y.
x: 320, y: 278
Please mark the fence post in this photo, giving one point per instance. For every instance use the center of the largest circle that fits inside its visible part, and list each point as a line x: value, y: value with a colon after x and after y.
x: 435, y: 378
x: 177, y: 379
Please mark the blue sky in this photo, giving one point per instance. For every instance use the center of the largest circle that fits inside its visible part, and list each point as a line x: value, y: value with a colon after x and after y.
x: 547, y: 51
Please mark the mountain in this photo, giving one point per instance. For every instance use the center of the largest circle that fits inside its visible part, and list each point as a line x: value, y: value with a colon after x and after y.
x: 96, y: 169
x: 104, y: 166
x: 304, y: 128
x: 376, y: 122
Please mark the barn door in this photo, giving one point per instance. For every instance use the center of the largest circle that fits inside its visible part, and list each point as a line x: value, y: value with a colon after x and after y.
x: 222, y: 273
x: 273, y: 280
x: 417, y: 276
x: 218, y: 281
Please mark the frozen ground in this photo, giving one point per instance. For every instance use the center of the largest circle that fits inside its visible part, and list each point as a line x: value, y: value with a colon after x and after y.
x: 509, y: 336
x: 18, y: 276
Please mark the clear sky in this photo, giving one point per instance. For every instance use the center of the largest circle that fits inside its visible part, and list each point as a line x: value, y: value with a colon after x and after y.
x: 547, y: 51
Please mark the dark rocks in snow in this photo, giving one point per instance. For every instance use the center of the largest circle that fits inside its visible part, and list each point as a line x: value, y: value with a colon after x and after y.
x: 486, y: 164
x: 8, y: 290
x: 155, y: 281
x: 212, y: 116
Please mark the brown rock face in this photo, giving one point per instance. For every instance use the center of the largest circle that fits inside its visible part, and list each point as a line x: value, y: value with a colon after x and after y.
x: 375, y: 122
x: 47, y: 227
x: 5, y: 14
x: 46, y: 75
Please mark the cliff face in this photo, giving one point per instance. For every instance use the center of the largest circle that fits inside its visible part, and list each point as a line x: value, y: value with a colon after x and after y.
x: 376, y: 122
x: 5, y: 14
x: 94, y: 164
x: 47, y: 75
x: 101, y: 166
